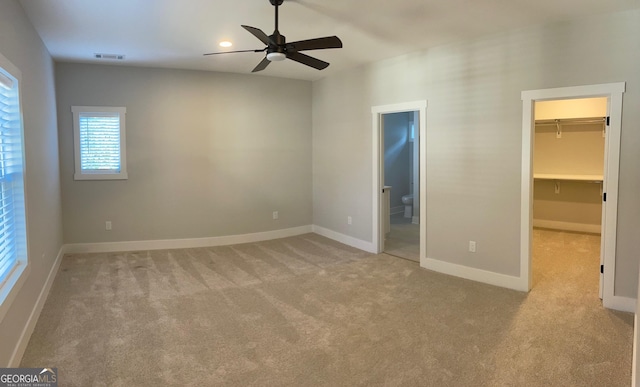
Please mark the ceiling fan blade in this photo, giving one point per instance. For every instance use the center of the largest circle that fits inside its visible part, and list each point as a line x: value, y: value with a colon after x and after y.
x: 233, y: 52
x: 262, y: 65
x: 316, y: 44
x: 257, y: 32
x: 307, y: 60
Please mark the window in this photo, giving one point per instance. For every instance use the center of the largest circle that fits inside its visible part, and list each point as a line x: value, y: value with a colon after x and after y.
x: 13, y: 230
x: 99, y: 136
x: 412, y: 132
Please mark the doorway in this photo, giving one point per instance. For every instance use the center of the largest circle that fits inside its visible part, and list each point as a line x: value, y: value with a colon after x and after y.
x: 401, y: 198
x: 569, y: 154
x: 613, y: 94
x: 385, y: 212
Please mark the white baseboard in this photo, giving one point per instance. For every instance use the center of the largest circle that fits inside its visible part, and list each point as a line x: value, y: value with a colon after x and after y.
x: 347, y: 240
x: 479, y: 275
x: 567, y: 226
x: 18, y: 352
x: 109, y: 247
x: 624, y: 304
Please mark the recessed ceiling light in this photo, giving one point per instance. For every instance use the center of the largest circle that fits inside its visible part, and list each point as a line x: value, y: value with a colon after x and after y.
x: 226, y: 43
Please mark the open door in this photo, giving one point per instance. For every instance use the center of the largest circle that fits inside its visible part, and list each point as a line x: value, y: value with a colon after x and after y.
x: 379, y: 212
x: 603, y: 235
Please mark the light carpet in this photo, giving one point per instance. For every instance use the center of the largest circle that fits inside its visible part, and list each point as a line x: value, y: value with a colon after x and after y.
x: 308, y: 311
x: 403, y: 239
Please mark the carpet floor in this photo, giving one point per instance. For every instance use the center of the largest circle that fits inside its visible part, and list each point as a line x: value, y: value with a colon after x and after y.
x: 308, y: 311
x: 403, y: 239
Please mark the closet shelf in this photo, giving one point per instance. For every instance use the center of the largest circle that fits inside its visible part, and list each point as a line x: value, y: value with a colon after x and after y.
x: 588, y: 120
x: 555, y: 176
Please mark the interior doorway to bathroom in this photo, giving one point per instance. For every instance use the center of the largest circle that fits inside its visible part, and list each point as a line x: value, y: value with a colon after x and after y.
x: 401, y: 185
x: 399, y: 180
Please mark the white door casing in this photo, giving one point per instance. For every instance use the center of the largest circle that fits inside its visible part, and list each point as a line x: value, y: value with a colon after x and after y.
x: 378, y: 169
x: 614, y: 92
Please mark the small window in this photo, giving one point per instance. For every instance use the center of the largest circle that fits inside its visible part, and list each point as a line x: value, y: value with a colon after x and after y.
x: 13, y: 230
x: 99, y: 136
x: 412, y: 132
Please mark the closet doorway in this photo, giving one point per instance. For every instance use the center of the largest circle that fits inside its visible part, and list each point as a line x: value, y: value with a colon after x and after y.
x: 399, y: 224
x: 568, y: 176
x: 571, y: 148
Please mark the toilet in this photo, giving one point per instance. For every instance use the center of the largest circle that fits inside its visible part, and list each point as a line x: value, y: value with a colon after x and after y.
x: 407, y: 200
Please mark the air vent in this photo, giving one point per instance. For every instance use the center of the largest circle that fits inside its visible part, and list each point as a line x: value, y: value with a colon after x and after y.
x: 110, y: 56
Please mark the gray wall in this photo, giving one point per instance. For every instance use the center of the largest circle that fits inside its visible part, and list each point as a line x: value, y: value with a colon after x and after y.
x: 22, y: 46
x: 397, y: 152
x: 474, y: 135
x: 208, y: 154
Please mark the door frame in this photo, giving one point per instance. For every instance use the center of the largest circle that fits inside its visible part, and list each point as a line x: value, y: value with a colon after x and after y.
x: 613, y: 92
x: 378, y: 170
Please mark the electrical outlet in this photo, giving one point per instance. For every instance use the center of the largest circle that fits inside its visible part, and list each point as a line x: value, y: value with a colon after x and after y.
x: 275, y: 215
x: 107, y: 225
x: 472, y: 246
x: 349, y: 220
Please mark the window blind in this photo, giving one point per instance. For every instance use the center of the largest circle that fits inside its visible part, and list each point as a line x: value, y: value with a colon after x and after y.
x: 99, y: 141
x: 12, y: 219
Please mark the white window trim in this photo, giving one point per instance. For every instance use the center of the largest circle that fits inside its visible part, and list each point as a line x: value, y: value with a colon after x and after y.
x: 99, y: 175
x: 11, y: 286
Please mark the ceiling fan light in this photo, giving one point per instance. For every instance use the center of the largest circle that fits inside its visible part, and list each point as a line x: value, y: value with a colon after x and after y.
x: 226, y: 43
x: 276, y: 56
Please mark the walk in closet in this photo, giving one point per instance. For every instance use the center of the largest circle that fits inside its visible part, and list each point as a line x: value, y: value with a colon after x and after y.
x: 568, y: 165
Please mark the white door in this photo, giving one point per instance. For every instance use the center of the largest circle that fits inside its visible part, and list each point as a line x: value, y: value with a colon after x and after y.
x: 603, y: 233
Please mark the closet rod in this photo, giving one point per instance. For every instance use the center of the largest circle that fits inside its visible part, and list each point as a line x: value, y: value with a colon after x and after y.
x: 590, y: 120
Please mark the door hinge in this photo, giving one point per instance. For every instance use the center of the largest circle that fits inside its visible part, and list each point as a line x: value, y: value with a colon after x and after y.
x: 601, y: 269
x: 608, y: 120
x: 604, y: 197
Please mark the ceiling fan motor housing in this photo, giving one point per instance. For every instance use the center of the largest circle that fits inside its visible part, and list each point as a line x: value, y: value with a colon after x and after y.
x: 277, y: 52
x: 279, y: 41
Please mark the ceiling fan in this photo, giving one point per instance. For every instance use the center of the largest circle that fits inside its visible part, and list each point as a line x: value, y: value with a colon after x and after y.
x: 278, y: 49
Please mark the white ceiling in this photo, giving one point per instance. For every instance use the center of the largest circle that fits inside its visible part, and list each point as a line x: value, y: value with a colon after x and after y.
x: 175, y: 33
